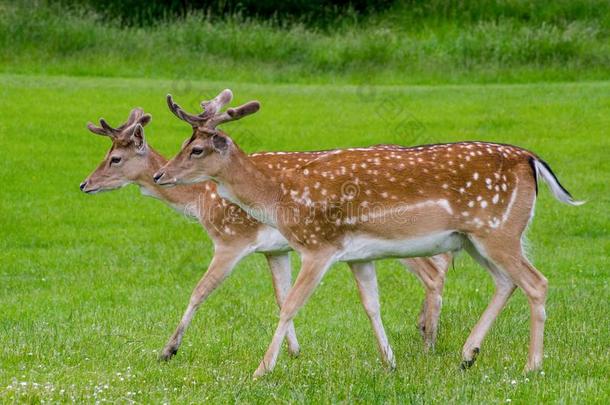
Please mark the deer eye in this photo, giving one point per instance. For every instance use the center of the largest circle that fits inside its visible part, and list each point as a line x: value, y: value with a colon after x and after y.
x: 197, y: 151
x: 115, y: 160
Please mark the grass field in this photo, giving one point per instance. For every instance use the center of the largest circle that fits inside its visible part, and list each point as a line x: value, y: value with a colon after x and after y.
x: 92, y: 287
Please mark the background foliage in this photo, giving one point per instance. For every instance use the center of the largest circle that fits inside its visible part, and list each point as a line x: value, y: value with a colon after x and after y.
x: 314, y: 12
x: 322, y: 12
x: 410, y: 42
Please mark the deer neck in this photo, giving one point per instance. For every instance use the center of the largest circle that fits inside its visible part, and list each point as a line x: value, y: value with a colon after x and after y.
x: 246, y: 185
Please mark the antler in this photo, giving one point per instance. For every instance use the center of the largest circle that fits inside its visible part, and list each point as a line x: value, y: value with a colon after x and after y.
x: 234, y: 114
x: 136, y: 115
x: 210, y: 118
x: 212, y: 107
x: 194, y: 120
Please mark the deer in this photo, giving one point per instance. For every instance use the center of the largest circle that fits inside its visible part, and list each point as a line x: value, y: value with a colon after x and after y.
x: 431, y: 199
x: 234, y: 234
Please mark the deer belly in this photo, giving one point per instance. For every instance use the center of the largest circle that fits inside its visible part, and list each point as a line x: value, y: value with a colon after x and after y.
x: 270, y: 240
x: 367, y: 247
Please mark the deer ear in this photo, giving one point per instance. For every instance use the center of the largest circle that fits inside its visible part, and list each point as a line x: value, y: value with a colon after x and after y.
x: 221, y: 143
x: 137, y: 136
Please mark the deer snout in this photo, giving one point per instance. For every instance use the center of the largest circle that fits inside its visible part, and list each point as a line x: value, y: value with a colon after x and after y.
x: 165, y: 178
x: 161, y: 178
x: 87, y: 187
x: 157, y: 176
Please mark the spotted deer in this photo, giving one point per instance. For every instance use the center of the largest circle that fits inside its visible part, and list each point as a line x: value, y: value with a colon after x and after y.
x: 401, y: 202
x: 234, y: 233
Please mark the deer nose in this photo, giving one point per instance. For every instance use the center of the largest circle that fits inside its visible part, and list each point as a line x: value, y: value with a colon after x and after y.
x: 83, y: 185
x: 158, y: 176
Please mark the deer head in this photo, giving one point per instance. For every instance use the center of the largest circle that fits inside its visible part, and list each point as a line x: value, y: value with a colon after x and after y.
x: 208, y: 150
x: 126, y: 159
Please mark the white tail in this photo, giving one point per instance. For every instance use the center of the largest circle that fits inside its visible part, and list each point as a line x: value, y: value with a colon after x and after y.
x: 543, y: 170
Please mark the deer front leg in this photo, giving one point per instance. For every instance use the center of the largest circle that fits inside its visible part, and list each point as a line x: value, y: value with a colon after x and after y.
x: 313, y: 268
x: 221, y: 266
x: 282, y: 280
x: 366, y: 279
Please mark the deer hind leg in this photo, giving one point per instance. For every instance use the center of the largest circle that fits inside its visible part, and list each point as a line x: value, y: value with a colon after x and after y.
x: 313, y: 268
x: 504, y: 288
x: 509, y: 259
x: 535, y: 286
x: 431, y: 272
x: 366, y: 279
x: 282, y: 281
x: 221, y: 266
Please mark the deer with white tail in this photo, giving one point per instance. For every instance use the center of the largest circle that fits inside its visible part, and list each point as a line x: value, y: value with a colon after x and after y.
x: 476, y: 196
x: 235, y: 234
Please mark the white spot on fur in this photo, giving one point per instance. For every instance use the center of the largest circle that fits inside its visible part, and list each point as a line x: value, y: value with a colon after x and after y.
x: 494, y: 223
x: 513, y: 197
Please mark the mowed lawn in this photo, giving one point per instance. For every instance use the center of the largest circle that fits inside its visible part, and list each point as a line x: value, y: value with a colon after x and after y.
x: 91, y: 287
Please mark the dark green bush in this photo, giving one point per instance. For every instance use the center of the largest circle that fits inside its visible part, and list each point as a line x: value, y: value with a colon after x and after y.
x: 533, y: 11
x: 318, y: 12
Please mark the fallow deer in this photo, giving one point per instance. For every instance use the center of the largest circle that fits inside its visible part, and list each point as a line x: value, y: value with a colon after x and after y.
x: 234, y: 233
x: 416, y: 201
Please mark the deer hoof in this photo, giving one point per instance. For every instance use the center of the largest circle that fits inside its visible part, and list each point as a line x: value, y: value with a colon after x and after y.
x: 422, y: 329
x: 532, y: 367
x: 259, y: 373
x: 467, y: 363
x: 168, y: 353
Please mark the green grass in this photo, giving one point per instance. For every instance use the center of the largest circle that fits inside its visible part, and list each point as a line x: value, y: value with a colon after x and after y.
x: 92, y: 287
x: 504, y: 41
